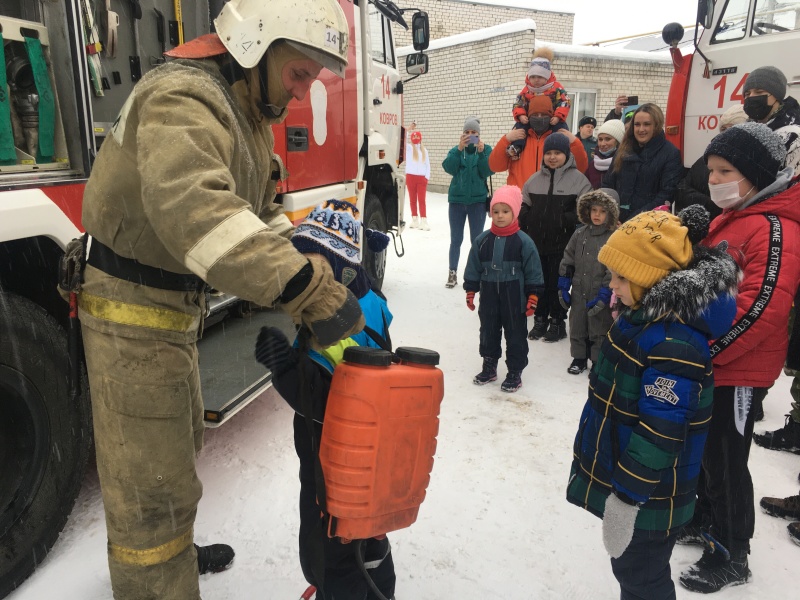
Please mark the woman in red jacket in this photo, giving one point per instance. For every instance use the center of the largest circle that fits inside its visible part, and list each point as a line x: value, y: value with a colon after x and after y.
x: 760, y: 225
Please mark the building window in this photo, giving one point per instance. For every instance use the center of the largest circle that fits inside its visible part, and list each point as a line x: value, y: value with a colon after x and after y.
x: 583, y: 105
x: 776, y: 16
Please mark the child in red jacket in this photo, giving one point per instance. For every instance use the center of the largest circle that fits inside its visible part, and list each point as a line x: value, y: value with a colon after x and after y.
x: 540, y: 81
x: 760, y: 228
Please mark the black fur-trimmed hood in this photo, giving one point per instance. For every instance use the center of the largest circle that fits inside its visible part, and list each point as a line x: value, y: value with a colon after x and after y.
x: 603, y: 198
x: 702, y: 295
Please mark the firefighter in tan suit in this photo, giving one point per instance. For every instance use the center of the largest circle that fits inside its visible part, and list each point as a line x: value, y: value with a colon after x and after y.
x: 182, y: 195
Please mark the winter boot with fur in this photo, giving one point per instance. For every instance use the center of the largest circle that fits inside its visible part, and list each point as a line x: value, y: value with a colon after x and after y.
x: 717, y: 569
x: 539, y: 328
x: 414, y: 222
x: 452, y: 279
x: 556, y: 331
x: 423, y: 224
x: 512, y: 382
x: 786, y: 438
x: 214, y: 558
x: 577, y: 367
x: 785, y: 508
x: 488, y: 372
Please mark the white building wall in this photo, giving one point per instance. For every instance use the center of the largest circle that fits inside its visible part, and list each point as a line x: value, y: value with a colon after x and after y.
x: 450, y: 17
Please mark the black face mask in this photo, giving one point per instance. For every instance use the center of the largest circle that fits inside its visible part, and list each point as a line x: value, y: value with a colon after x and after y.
x: 756, y: 107
x: 539, y: 124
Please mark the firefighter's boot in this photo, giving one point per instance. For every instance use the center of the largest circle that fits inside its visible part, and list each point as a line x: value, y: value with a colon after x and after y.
x: 214, y: 558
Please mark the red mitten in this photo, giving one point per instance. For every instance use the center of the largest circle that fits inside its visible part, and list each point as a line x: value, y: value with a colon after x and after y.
x: 471, y: 300
x: 530, y: 308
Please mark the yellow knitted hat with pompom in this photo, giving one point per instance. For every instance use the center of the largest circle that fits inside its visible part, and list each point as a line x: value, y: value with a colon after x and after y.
x: 647, y: 247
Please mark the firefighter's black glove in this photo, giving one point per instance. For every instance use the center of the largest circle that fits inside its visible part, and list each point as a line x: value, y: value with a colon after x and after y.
x: 274, y: 352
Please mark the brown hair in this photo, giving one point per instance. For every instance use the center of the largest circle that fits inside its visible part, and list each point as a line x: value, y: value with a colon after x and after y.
x: 629, y: 143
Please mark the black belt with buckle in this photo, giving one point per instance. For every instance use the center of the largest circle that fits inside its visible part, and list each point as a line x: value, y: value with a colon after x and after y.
x: 104, y: 258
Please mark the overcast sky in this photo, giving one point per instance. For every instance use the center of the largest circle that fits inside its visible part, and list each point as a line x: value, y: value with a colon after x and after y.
x: 598, y: 20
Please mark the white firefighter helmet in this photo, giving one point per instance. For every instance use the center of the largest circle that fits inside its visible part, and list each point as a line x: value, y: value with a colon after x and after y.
x: 317, y: 28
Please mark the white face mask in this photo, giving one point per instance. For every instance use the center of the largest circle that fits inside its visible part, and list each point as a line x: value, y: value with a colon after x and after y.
x: 726, y: 195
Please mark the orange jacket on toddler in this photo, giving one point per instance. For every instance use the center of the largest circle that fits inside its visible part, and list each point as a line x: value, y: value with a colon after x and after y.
x: 541, y: 67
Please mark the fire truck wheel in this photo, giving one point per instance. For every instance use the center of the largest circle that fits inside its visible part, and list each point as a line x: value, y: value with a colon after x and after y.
x: 45, y: 437
x: 374, y: 218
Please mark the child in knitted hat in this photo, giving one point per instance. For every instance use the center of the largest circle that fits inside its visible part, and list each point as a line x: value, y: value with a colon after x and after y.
x: 509, y: 288
x: 642, y: 430
x: 587, y: 278
x: 760, y: 226
x: 693, y: 188
x: 540, y: 81
x: 549, y: 216
x: 332, y: 230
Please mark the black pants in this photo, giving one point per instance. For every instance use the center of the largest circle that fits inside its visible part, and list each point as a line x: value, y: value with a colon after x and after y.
x: 728, y: 486
x: 501, y: 314
x: 549, y: 306
x: 328, y: 563
x: 643, y: 569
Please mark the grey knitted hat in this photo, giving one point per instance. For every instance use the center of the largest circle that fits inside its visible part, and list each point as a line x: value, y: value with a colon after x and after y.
x: 769, y: 79
x: 754, y: 149
x: 472, y: 123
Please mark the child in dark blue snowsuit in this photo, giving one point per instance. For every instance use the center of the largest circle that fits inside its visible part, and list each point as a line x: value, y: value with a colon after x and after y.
x: 504, y: 267
x: 333, y: 231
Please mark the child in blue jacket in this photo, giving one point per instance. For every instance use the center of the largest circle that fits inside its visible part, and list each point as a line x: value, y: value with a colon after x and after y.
x: 637, y: 453
x: 504, y: 267
x: 333, y: 231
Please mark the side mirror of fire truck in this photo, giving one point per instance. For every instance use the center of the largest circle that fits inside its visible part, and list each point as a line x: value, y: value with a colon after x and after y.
x: 672, y: 34
x: 420, y: 31
x: 705, y: 13
x: 417, y: 64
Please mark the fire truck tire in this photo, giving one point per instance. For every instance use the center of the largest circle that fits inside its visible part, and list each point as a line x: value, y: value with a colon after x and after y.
x: 374, y: 218
x: 45, y: 437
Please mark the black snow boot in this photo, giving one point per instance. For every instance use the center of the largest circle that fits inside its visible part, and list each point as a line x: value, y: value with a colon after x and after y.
x: 539, y: 328
x: 214, y: 558
x: 488, y: 373
x: 512, y: 382
x: 717, y: 570
x: 556, y: 331
x: 691, y: 534
x: 577, y: 367
x: 786, y: 438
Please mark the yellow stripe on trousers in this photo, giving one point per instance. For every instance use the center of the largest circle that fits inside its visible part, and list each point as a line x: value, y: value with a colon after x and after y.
x: 138, y: 315
x: 151, y: 556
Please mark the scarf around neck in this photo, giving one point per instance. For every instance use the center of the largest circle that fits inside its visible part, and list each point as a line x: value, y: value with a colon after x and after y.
x: 505, y: 231
x: 600, y: 163
x: 540, y: 90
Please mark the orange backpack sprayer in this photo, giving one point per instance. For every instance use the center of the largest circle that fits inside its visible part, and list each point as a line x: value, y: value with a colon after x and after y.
x: 375, y: 455
x: 379, y: 439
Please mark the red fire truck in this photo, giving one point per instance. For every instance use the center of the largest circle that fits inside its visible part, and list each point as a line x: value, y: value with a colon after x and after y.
x: 66, y: 70
x: 732, y: 38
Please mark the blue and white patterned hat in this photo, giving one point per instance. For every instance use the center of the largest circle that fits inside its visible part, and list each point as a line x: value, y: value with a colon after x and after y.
x: 333, y: 230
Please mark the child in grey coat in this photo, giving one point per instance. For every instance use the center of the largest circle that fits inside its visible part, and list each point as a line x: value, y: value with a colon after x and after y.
x: 590, y: 298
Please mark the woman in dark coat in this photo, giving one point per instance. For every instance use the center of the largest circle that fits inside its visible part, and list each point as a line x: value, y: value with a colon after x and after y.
x: 647, y: 168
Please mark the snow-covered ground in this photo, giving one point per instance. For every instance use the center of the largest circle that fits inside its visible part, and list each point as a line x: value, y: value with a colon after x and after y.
x: 495, y: 524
